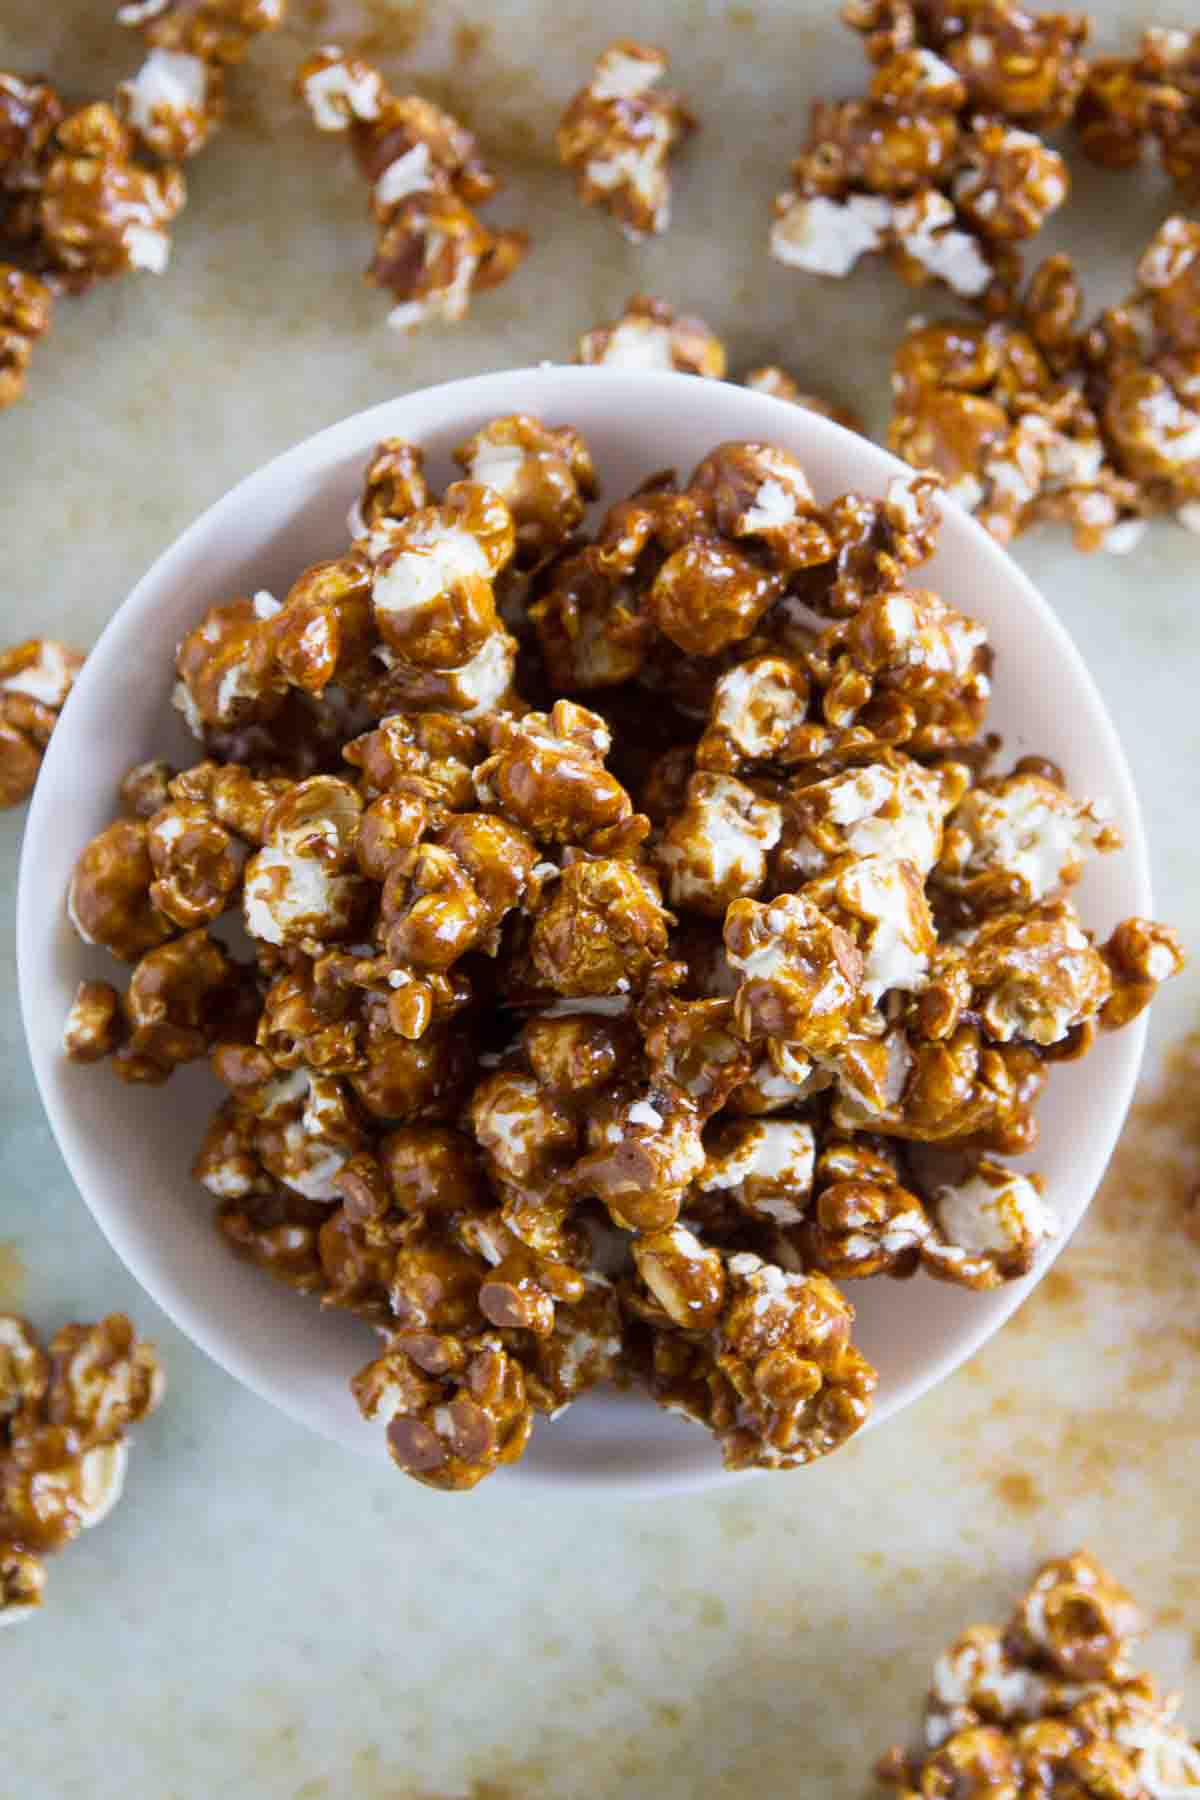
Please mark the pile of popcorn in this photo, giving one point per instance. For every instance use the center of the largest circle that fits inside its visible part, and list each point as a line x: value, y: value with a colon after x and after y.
x: 942, y: 164
x: 642, y: 948
x: 65, y: 1413
x: 1042, y: 416
x: 90, y: 191
x: 1049, y: 1706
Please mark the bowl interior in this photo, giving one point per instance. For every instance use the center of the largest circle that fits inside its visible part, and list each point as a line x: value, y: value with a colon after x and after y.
x: 129, y: 1150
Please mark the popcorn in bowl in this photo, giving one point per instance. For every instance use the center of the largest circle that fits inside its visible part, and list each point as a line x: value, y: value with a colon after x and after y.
x: 636, y: 944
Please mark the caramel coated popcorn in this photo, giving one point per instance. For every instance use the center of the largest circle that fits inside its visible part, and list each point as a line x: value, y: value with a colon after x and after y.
x: 651, y: 335
x: 1023, y: 66
x: 426, y: 177
x: 936, y: 165
x: 610, y: 1009
x: 25, y: 306
x: 91, y: 191
x: 1130, y: 102
x: 771, y: 379
x: 65, y: 1414
x: 35, y: 679
x: 1050, y: 1704
x: 618, y: 134
x: 1046, y: 417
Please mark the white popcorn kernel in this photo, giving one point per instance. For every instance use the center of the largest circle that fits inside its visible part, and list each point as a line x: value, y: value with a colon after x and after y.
x: 994, y: 1213
x: 335, y: 96
x: 827, y: 237
x: 48, y: 680
x: 101, y: 1481
x: 1124, y: 537
x: 147, y: 247
x: 411, y: 173
x: 619, y: 76
x: 640, y: 344
x: 924, y: 226
x: 170, y: 82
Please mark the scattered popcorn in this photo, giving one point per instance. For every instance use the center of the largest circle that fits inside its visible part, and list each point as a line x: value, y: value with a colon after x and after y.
x: 916, y: 170
x: 65, y: 1413
x: 426, y: 177
x: 1049, y: 1704
x: 650, y: 335
x: 618, y: 134
x: 35, y: 679
x: 1043, y: 418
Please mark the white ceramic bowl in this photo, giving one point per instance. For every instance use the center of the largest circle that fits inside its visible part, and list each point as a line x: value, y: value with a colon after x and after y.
x: 128, y: 1149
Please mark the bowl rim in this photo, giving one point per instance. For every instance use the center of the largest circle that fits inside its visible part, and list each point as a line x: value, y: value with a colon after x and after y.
x: 357, y: 432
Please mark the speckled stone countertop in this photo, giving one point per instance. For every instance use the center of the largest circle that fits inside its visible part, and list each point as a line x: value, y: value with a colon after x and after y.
x: 264, y: 1616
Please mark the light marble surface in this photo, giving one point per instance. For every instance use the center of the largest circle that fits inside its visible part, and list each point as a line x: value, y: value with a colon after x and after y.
x: 265, y: 1617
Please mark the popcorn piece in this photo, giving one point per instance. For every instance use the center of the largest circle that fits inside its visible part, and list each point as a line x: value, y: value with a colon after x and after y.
x: 618, y: 134
x: 1140, y: 955
x: 766, y: 1167
x: 426, y: 176
x: 1018, y: 839
x: 30, y: 114
x: 218, y: 31
x: 63, y: 1444
x: 645, y: 1154
x: 600, y: 930
x: 1077, y: 1619
x: 758, y: 714
x: 449, y: 1430
x: 909, y: 666
x: 651, y: 335
x: 179, y: 998
x: 35, y: 679
x: 716, y: 847
x: 25, y: 304
x: 299, y: 886
x: 278, y: 1231
x: 109, y: 897
x: 683, y: 1278
x: 94, y: 1026
x: 801, y: 975
x: 102, y: 1380
x: 990, y: 1227
x: 24, y: 1368
x: 173, y: 103
x: 1129, y: 102
x: 431, y: 595
x: 1035, y: 975
x: 784, y: 1385
x: 22, y: 1579
x: 544, y: 476
x: 393, y: 487
x: 547, y: 773
x: 892, y: 809
x: 862, y: 1221
x: 771, y: 379
x: 1049, y: 1704
x: 98, y: 212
